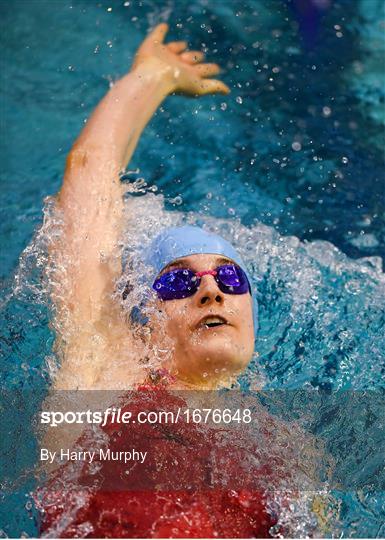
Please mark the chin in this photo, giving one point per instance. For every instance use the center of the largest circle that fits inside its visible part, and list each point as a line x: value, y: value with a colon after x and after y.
x: 223, y: 357
x: 213, y: 356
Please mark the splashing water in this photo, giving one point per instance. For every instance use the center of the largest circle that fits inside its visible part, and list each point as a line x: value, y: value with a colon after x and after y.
x: 309, y: 295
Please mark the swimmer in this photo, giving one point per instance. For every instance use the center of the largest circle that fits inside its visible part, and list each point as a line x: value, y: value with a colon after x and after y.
x: 200, y: 310
x: 202, y: 297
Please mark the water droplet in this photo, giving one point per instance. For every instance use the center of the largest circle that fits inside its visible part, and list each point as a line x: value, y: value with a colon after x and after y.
x: 239, y: 100
x: 353, y: 286
x: 296, y: 146
x: 177, y: 200
x: 223, y: 106
x: 140, y: 183
x: 326, y: 111
x: 344, y: 160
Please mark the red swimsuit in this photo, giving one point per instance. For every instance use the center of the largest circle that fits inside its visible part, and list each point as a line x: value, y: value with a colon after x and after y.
x: 173, y: 495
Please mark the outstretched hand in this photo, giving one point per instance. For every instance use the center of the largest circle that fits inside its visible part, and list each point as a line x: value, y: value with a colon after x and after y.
x: 184, y: 69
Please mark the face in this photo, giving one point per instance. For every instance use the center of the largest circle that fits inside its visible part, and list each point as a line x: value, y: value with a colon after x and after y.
x: 210, y: 335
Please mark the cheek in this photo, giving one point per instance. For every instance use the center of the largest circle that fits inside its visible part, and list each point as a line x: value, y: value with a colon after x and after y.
x: 244, y: 307
x: 177, y: 317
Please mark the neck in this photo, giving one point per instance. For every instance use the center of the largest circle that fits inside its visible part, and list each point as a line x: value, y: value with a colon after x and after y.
x: 164, y: 376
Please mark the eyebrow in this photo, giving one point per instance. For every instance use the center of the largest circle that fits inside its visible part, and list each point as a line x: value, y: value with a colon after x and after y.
x: 184, y: 263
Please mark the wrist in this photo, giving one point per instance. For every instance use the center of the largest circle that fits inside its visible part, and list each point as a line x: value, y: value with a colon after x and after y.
x: 155, y: 72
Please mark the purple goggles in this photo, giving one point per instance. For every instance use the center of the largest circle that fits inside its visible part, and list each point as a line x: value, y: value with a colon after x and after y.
x: 183, y: 282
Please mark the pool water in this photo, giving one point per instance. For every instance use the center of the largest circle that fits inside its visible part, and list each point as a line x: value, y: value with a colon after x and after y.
x: 290, y: 165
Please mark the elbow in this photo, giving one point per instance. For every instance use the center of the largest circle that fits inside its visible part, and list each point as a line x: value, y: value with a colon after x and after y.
x: 77, y: 158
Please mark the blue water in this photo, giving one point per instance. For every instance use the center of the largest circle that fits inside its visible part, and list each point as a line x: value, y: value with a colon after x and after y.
x: 291, y: 163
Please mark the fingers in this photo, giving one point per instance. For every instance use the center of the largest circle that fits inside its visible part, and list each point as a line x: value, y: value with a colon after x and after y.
x: 199, y: 84
x: 213, y: 86
x: 207, y: 70
x: 192, y: 57
x: 177, y: 46
x: 158, y: 34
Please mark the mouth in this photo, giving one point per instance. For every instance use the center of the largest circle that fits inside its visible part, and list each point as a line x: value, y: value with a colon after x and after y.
x: 212, y: 321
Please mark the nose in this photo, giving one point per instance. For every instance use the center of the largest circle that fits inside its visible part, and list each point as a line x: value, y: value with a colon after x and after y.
x: 209, y: 292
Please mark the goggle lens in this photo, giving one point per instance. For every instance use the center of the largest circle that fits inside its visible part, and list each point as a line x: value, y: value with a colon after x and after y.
x: 232, y: 279
x: 182, y: 283
x: 176, y: 284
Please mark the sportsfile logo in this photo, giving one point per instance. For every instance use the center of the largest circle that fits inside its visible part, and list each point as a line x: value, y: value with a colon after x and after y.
x: 110, y: 415
x: 114, y: 415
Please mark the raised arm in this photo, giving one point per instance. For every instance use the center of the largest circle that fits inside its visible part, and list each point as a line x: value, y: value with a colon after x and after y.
x: 86, y: 256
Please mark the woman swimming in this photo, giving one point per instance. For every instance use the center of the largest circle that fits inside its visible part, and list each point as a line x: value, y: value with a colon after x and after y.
x: 201, y: 312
